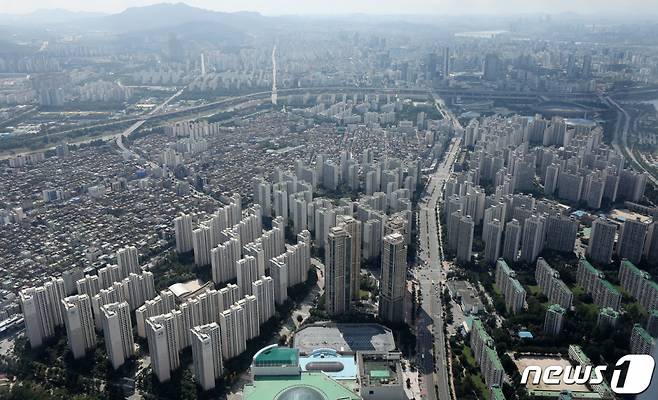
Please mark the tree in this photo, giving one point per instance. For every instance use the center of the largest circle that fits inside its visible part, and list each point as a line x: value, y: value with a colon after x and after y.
x: 188, y: 387
x: 27, y: 390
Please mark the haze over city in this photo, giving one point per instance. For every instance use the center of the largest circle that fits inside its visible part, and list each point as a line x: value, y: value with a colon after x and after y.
x: 354, y: 200
x: 297, y: 7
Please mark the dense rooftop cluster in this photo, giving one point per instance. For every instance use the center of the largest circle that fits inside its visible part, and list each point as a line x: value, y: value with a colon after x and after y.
x: 99, y: 203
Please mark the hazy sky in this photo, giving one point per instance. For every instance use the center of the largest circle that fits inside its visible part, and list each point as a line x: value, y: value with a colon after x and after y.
x: 275, y: 7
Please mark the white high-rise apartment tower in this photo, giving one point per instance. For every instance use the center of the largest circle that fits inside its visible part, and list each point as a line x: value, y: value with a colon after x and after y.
x: 223, y: 259
x: 79, y: 322
x: 108, y: 275
x: 163, y: 335
x: 202, y: 244
x: 465, y: 242
x: 353, y: 228
x: 533, y: 238
x: 232, y: 324
x: 42, y: 310
x: 89, y: 285
x: 263, y: 289
x: 512, y: 240
x: 493, y: 240
x: 281, y: 205
x: 279, y: 273
x: 250, y: 306
x: 602, y: 241
x: 631, y: 240
x: 262, y: 195
x: 393, y: 284
x: 183, y: 228
x: 128, y: 261
x: 118, y: 333
x: 247, y: 272
x: 337, y: 271
x: 207, y: 354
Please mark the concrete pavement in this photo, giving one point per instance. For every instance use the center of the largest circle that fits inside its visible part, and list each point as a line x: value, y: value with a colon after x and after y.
x: 431, y: 343
x: 620, y: 142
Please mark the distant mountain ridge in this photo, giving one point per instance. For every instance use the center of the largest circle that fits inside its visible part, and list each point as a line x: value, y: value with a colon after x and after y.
x: 165, y: 14
x: 134, y: 19
x: 51, y: 16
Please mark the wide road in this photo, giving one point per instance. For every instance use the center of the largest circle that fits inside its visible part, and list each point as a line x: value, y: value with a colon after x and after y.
x: 620, y: 142
x: 431, y: 343
x: 274, y: 95
x: 132, y: 128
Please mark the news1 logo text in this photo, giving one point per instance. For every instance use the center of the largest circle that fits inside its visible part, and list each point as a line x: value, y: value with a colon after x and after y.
x: 638, y: 366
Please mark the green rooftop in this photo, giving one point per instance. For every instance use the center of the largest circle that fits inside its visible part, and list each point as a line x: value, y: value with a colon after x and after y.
x: 632, y: 267
x: 517, y: 286
x: 652, y: 284
x: 556, y: 308
x: 276, y: 355
x: 580, y: 353
x: 609, y: 286
x: 609, y: 312
x: 590, y: 267
x: 563, y: 286
x: 643, y: 333
x: 497, y: 393
x: 380, y: 374
x: 493, y: 357
x: 504, y: 266
x: 307, y: 385
x: 479, y: 327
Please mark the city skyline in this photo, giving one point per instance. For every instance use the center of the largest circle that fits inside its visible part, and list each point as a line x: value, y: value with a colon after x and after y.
x: 369, y: 200
x: 425, y: 8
